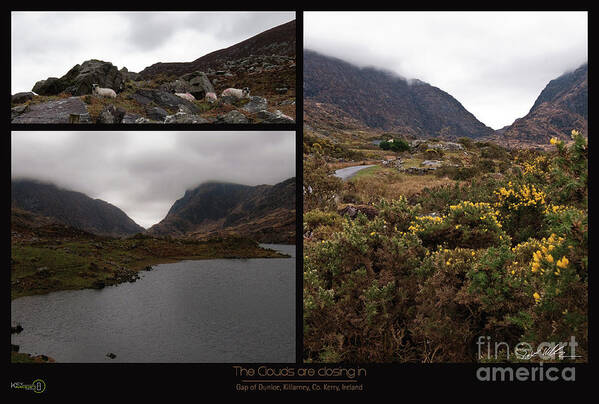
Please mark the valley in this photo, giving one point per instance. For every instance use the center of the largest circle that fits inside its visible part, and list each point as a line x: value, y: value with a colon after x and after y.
x: 444, y: 229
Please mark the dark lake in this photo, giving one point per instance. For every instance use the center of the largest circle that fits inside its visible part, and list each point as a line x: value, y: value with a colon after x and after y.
x: 222, y: 310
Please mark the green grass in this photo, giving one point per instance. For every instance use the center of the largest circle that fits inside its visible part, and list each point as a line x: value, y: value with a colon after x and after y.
x: 79, y: 264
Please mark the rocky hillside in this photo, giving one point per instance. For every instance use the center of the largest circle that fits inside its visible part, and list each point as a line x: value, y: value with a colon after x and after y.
x: 382, y: 100
x: 562, y: 106
x: 265, y: 212
x: 278, y: 41
x: 264, y: 63
x: 70, y: 208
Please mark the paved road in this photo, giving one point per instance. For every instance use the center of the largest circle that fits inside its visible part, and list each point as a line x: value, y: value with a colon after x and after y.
x: 348, y: 172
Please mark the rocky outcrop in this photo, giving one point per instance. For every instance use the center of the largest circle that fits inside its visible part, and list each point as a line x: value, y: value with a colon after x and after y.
x: 21, y: 98
x: 163, y: 99
x: 111, y: 114
x: 232, y: 117
x: 561, y: 107
x: 79, y: 80
x: 199, y: 84
x: 273, y: 117
x: 67, y: 110
x: 279, y: 41
x: 265, y: 213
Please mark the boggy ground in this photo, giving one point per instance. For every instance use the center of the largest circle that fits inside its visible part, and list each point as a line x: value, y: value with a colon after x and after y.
x: 41, y: 265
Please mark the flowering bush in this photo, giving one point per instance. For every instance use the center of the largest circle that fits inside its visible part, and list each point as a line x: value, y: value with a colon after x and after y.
x: 505, y: 258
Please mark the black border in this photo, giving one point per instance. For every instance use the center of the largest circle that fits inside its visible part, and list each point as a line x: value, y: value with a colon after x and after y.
x: 199, y: 380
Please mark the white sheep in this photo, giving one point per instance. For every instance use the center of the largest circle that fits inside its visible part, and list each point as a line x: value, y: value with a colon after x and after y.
x: 210, y: 97
x: 237, y: 93
x: 103, y: 92
x: 186, y: 96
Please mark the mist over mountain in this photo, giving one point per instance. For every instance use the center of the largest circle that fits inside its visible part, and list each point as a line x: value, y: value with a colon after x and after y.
x: 379, y: 99
x: 72, y: 208
x: 265, y: 212
x: 562, y: 106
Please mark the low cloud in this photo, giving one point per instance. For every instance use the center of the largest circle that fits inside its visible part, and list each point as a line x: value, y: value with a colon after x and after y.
x: 494, y: 63
x: 143, y: 173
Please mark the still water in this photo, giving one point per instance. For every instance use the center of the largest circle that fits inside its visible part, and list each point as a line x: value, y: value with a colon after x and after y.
x: 221, y: 310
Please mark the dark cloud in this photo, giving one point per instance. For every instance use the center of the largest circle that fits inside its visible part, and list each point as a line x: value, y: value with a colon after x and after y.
x: 48, y: 44
x: 143, y: 173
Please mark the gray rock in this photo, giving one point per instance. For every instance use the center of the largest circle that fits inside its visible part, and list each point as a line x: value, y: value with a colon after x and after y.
x: 127, y: 75
x: 177, y: 86
x: 281, y: 90
x: 273, y: 117
x: 256, y: 104
x: 233, y: 117
x: 18, y: 110
x: 431, y: 163
x: 182, y: 117
x: 111, y: 114
x: 199, y: 84
x: 20, y: 98
x: 130, y: 118
x: 67, y: 110
x: 156, y: 113
x: 163, y: 99
x: 79, y: 80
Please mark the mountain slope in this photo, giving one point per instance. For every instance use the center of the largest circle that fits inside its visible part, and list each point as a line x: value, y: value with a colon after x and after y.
x: 279, y: 40
x: 562, y: 106
x: 379, y: 99
x: 264, y: 212
x: 72, y: 208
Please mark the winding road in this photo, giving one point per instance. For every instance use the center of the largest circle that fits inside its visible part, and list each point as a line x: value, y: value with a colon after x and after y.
x: 348, y: 172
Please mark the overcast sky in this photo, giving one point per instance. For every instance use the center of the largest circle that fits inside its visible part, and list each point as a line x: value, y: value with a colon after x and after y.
x: 143, y: 173
x: 494, y: 63
x: 48, y: 44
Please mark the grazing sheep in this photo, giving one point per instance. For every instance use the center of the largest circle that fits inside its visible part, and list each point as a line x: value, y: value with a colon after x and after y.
x: 103, y: 92
x: 186, y: 96
x: 210, y: 97
x: 237, y: 93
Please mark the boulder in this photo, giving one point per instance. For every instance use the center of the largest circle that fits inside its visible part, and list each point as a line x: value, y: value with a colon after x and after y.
x: 66, y: 110
x: 18, y: 110
x: 156, y: 113
x: 111, y: 114
x: 182, y: 117
x: 177, y: 86
x: 127, y: 75
x: 130, y: 118
x: 273, y: 117
x: 163, y: 99
x: 199, y: 84
x: 232, y: 117
x: 256, y: 104
x: 352, y: 211
x: 79, y: 80
x: 20, y: 98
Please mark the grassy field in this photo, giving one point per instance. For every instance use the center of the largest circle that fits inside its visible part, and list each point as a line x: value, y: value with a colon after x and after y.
x: 51, y: 265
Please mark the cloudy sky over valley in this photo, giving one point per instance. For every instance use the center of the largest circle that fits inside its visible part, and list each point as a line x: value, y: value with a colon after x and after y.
x: 48, y: 44
x: 143, y: 173
x: 494, y: 63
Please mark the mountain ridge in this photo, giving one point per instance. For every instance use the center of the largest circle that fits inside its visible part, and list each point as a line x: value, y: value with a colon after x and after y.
x: 263, y: 212
x: 72, y: 208
x: 412, y: 107
x: 562, y: 106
